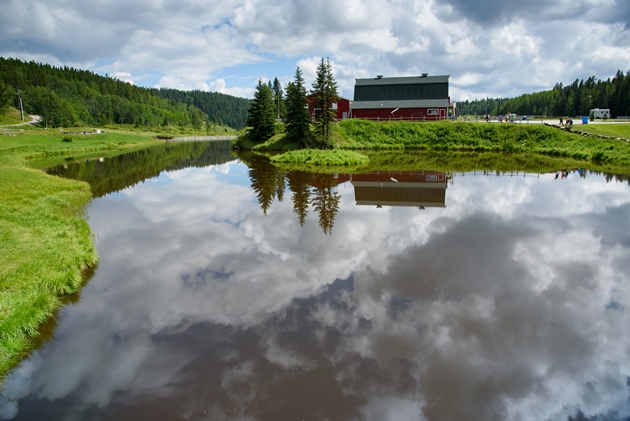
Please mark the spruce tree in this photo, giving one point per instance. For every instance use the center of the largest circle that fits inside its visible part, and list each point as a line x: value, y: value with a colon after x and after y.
x: 277, y: 97
x: 298, y: 121
x: 324, y: 91
x: 262, y: 113
x: 6, y: 96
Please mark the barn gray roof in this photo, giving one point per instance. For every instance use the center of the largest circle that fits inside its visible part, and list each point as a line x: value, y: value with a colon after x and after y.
x: 412, y: 103
x: 403, y: 80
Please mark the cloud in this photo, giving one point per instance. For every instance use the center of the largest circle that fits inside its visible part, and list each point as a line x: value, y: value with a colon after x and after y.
x: 510, y: 47
x: 124, y: 76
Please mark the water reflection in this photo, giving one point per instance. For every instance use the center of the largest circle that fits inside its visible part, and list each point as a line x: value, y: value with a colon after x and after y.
x: 508, y: 303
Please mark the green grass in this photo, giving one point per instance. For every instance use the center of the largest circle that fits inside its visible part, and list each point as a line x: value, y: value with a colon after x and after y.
x: 461, y: 136
x: 357, y: 134
x: 12, y: 116
x: 331, y: 160
x: 45, y: 240
x: 606, y: 129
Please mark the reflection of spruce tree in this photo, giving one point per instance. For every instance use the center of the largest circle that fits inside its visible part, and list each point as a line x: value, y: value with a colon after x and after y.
x: 281, y: 185
x: 325, y: 200
x: 299, y: 183
x: 264, y: 177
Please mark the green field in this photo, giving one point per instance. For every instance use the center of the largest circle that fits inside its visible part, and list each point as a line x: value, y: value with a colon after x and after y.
x: 606, y: 129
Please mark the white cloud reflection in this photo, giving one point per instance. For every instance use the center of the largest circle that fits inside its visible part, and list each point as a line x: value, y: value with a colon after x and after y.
x: 507, y: 304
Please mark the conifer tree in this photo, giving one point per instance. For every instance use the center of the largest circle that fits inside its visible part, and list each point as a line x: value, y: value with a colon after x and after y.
x: 298, y: 121
x: 5, y: 96
x: 262, y: 113
x: 277, y: 97
x: 324, y: 91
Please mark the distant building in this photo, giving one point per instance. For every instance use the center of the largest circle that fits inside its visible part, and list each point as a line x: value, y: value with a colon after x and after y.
x: 341, y: 107
x: 416, y: 98
x: 599, y: 113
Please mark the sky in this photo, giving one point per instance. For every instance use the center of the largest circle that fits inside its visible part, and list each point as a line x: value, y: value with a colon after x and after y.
x: 496, y: 48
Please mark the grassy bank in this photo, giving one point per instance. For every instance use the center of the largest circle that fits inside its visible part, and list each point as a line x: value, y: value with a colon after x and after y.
x: 513, y: 138
x: 621, y: 130
x: 12, y: 116
x: 478, y: 137
x: 46, y: 242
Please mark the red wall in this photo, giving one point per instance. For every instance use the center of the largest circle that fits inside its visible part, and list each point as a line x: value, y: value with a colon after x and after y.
x: 401, y: 113
x: 343, y: 106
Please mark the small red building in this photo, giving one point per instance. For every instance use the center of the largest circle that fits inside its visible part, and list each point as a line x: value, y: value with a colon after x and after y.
x: 341, y: 107
x: 417, y: 98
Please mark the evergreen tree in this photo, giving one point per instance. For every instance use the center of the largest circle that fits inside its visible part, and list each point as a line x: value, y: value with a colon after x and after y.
x: 6, y: 96
x: 277, y: 96
x: 298, y: 121
x: 262, y: 113
x: 324, y: 91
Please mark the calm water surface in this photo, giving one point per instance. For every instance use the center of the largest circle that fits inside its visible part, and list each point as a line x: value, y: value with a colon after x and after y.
x: 390, y: 296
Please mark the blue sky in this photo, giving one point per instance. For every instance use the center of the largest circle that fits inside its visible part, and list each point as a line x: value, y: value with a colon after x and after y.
x: 488, y: 47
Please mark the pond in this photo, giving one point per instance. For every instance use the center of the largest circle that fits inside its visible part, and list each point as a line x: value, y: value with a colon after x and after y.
x: 230, y: 290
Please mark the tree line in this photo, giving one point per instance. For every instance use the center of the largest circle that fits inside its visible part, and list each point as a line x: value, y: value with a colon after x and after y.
x: 119, y: 172
x: 270, y: 104
x: 220, y: 108
x: 576, y: 99
x: 64, y: 96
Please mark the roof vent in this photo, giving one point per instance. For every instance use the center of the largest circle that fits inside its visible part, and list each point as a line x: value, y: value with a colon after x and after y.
x: 425, y: 74
x: 379, y: 76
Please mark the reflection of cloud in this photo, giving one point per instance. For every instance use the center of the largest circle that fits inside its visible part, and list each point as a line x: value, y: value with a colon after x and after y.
x: 487, y: 309
x: 286, y: 358
x: 392, y: 409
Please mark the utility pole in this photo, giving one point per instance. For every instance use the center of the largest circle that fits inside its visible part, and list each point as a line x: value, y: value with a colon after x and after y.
x: 20, y: 98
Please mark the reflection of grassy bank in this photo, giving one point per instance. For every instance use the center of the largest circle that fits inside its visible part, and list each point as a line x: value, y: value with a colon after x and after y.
x: 46, y: 243
x: 491, y: 161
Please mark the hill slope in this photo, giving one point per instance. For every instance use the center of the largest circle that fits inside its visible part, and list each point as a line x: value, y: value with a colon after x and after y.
x: 71, y: 97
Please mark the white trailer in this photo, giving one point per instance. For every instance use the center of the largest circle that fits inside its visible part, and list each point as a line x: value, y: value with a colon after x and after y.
x: 599, y: 113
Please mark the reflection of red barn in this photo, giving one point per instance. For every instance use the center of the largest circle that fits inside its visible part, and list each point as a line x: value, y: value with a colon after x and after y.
x: 395, y: 188
x: 402, y: 98
x: 321, y: 181
x: 341, y: 107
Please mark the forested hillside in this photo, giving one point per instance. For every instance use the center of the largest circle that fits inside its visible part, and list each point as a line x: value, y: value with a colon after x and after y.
x: 571, y: 100
x: 66, y: 97
x: 220, y: 108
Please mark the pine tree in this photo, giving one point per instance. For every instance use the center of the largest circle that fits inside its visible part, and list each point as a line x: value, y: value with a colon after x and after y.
x: 6, y: 96
x: 324, y: 91
x: 262, y: 113
x: 277, y: 97
x: 298, y: 121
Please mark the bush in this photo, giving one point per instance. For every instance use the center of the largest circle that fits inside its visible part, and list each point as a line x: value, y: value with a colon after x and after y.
x: 67, y: 138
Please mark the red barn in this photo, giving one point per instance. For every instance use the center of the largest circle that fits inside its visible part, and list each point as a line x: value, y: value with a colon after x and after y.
x: 417, y: 98
x: 341, y: 107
